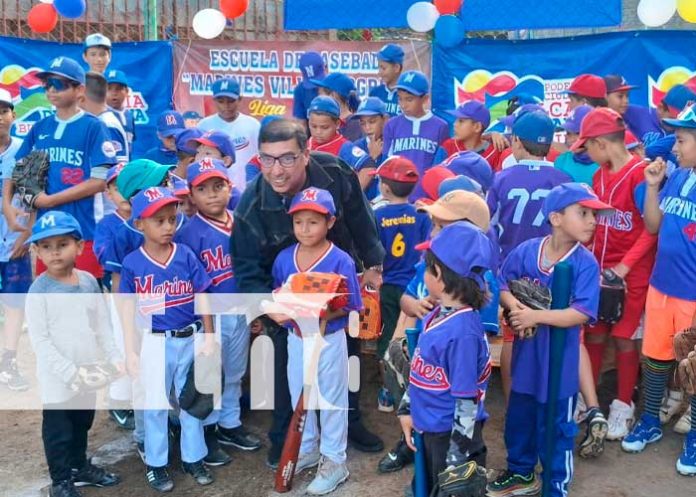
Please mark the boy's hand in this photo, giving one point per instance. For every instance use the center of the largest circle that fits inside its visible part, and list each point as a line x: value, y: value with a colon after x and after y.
x: 407, y: 427
x: 424, y: 307
x: 12, y: 215
x: 20, y: 248
x: 499, y: 141
x: 523, y: 319
x: 655, y: 172
x: 375, y: 147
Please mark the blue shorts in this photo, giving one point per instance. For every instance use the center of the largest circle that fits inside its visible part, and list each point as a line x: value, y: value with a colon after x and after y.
x: 16, y: 278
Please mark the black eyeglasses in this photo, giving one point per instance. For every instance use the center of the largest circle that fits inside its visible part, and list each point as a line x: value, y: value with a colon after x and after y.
x: 285, y: 160
x: 58, y: 84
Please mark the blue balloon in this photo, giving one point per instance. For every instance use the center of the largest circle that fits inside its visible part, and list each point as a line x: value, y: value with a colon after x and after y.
x: 449, y: 31
x: 72, y: 9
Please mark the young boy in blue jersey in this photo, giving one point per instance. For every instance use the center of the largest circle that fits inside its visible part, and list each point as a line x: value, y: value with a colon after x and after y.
x: 97, y: 52
x: 105, y: 228
x: 373, y: 116
x: 571, y: 211
x: 185, y: 151
x: 400, y: 229
x: 342, y: 89
x: 116, y: 98
x: 390, y: 60
x: 451, y: 364
x: 169, y: 124
x: 312, y: 67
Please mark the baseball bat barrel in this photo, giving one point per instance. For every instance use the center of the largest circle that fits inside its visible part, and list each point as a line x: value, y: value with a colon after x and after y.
x: 291, y: 448
x: 560, y: 299
x: 420, y: 479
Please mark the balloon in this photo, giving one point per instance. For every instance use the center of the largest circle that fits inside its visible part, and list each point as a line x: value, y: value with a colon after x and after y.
x: 449, y: 31
x: 42, y: 18
x: 422, y: 16
x: 687, y: 10
x: 72, y: 9
x: 209, y: 23
x: 233, y: 8
x: 46, y: 1
x: 445, y: 7
x: 654, y: 13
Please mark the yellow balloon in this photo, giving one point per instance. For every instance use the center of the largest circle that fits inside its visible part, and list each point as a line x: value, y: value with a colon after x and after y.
x: 476, y: 80
x: 673, y: 77
x: 687, y: 10
x: 11, y: 74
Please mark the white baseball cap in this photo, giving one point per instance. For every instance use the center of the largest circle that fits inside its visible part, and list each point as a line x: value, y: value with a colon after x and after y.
x: 6, y: 98
x: 97, y: 40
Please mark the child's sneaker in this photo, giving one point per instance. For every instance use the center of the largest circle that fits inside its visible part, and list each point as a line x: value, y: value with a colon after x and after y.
x: 306, y: 461
x: 10, y: 376
x: 580, y: 410
x: 645, y: 432
x: 621, y: 417
x: 597, y: 427
x: 198, y: 471
x: 329, y: 476
x: 510, y: 484
x: 683, y: 426
x: 686, y: 464
x: 159, y: 479
x: 385, y: 400
x: 671, y: 405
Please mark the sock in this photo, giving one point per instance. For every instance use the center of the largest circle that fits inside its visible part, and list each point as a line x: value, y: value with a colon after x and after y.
x: 693, y: 414
x: 596, y: 353
x: 627, y: 366
x: 655, y: 377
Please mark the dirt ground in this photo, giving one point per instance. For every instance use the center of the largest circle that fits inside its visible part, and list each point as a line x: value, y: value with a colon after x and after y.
x: 23, y: 472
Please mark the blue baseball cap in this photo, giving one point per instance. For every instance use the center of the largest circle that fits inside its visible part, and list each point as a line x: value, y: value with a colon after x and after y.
x: 338, y: 82
x: 149, y: 201
x: 413, y: 82
x: 205, y: 169
x: 219, y: 140
x: 113, y: 172
x: 678, y: 96
x: 472, y: 165
x: 312, y: 68
x: 567, y: 194
x: 371, y: 106
x: 97, y: 40
x: 313, y: 199
x: 574, y: 121
x: 476, y: 111
x: 54, y: 223
x: 184, y: 138
x: 326, y: 105
x: 65, y: 67
x: 508, y: 121
x: 191, y: 114
x: 685, y: 119
x: 178, y: 186
x: 391, y: 53
x: 169, y: 123
x: 226, y: 87
x: 460, y: 182
x: 535, y: 127
x: 114, y: 76
x: 269, y: 119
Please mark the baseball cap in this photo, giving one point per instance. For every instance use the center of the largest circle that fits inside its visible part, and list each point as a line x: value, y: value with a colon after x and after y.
x: 313, y: 199
x: 179, y: 186
x: 413, y: 82
x: 226, y: 87
x: 326, y: 105
x: 147, y: 202
x: 191, y: 114
x: 219, y: 140
x: 599, y: 122
x: 65, y: 67
x: 371, y: 106
x: 169, y: 123
x: 391, y: 53
x: 615, y: 83
x: 139, y: 174
x: 463, y: 248
x: 269, y: 119
x: 114, y: 76
x: 458, y: 205
x: 113, y: 172
x: 631, y: 140
x: 574, y: 121
x: 397, y: 168
x: 472, y: 165
x: 567, y: 194
x: 54, y: 223
x: 535, y: 127
x: 685, y: 119
x: 6, y: 98
x: 338, y: 82
x: 460, y: 182
x: 312, y: 68
x: 205, y: 169
x: 589, y: 86
x: 97, y: 40
x: 476, y: 111
x: 678, y: 96
x: 508, y: 121
x: 432, y: 179
x: 183, y: 139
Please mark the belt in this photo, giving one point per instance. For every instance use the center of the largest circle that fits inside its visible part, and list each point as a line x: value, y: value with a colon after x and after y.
x: 184, y: 332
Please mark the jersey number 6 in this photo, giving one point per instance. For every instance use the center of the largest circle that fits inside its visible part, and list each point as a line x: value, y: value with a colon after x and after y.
x: 523, y: 198
x: 398, y: 247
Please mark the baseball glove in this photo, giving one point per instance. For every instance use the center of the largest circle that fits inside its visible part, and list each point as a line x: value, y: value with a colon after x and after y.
x: 612, y: 294
x: 370, y: 316
x: 466, y: 480
x: 294, y: 292
x: 397, y: 368
x: 687, y: 373
x: 197, y: 404
x: 530, y: 294
x: 29, y: 176
x: 684, y: 343
x: 93, y: 377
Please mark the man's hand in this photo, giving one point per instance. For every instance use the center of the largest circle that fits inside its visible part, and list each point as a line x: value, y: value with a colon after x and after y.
x: 407, y: 427
x: 372, y: 278
x: 655, y: 173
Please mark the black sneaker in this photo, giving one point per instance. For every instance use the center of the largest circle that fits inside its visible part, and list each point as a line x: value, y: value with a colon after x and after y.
x: 140, y: 447
x: 159, y: 479
x: 10, y: 376
x: 274, y: 456
x: 597, y: 428
x: 238, y: 437
x: 124, y: 418
x: 510, y: 484
x: 199, y: 472
x: 64, y: 489
x: 216, y: 456
x: 94, y: 476
x: 396, y: 459
x: 360, y: 438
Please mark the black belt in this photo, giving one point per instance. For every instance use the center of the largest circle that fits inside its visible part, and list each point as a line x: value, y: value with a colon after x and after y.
x: 185, y: 332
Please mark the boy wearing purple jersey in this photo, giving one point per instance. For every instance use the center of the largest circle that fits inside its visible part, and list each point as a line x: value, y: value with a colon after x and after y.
x: 571, y: 211
x: 416, y: 134
x: 451, y: 364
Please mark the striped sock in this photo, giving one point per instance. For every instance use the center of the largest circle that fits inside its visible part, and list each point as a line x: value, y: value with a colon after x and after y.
x: 693, y: 414
x: 655, y: 377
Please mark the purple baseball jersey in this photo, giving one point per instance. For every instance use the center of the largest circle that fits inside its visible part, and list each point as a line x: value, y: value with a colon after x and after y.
x: 177, y: 281
x: 516, y: 198
x: 644, y: 123
x: 334, y: 260
x: 452, y: 361
x: 530, y: 357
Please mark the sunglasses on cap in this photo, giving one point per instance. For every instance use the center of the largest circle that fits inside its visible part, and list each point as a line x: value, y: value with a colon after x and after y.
x: 58, y: 84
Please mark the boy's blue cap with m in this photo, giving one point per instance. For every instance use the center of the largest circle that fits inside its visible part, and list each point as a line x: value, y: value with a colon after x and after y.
x: 205, y: 169
x: 325, y: 105
x: 149, y: 201
x: 183, y: 139
x: 216, y: 139
x: 391, y: 53
x: 568, y: 194
x: 338, y: 82
x: 55, y: 223
x: 685, y: 119
x: 169, y: 123
x: 226, y: 87
x: 312, y: 68
x: 414, y: 82
x: 114, y: 76
x: 65, y: 67
x: 535, y: 127
x: 313, y: 199
x: 371, y: 106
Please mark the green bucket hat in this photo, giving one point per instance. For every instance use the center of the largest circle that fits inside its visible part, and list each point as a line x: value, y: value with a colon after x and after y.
x: 140, y: 174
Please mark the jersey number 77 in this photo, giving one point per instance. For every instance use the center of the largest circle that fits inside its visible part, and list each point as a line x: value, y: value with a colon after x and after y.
x: 523, y: 197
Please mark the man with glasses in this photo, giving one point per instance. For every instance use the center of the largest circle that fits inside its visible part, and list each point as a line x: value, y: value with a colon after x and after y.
x: 263, y: 228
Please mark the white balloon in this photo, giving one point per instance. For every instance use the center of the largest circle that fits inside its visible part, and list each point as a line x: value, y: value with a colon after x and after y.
x: 654, y: 13
x: 209, y: 23
x: 422, y: 16
x: 46, y: 1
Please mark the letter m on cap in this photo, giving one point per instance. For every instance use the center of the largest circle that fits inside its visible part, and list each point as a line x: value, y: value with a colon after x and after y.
x: 309, y: 195
x: 153, y: 194
x: 48, y: 221
x: 171, y: 120
x: 409, y: 77
x: 206, y: 164
x: 57, y: 62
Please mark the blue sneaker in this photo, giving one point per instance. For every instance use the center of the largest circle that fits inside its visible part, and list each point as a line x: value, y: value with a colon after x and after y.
x: 686, y: 464
x: 645, y: 432
x: 385, y: 400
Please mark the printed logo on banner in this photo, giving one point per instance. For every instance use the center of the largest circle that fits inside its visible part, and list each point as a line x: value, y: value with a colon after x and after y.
x: 675, y: 75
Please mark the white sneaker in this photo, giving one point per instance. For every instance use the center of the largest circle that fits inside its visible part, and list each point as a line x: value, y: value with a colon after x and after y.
x: 329, y: 476
x: 580, y: 410
x: 683, y: 426
x: 671, y: 405
x: 306, y: 461
x: 621, y: 417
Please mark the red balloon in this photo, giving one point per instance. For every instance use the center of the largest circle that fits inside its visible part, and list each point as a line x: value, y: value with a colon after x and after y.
x: 446, y: 7
x: 42, y: 18
x: 233, y: 8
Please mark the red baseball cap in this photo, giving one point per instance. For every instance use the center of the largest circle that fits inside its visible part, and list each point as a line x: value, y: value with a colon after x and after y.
x: 589, y: 86
x: 397, y: 168
x: 432, y: 179
x: 631, y: 140
x: 599, y: 122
